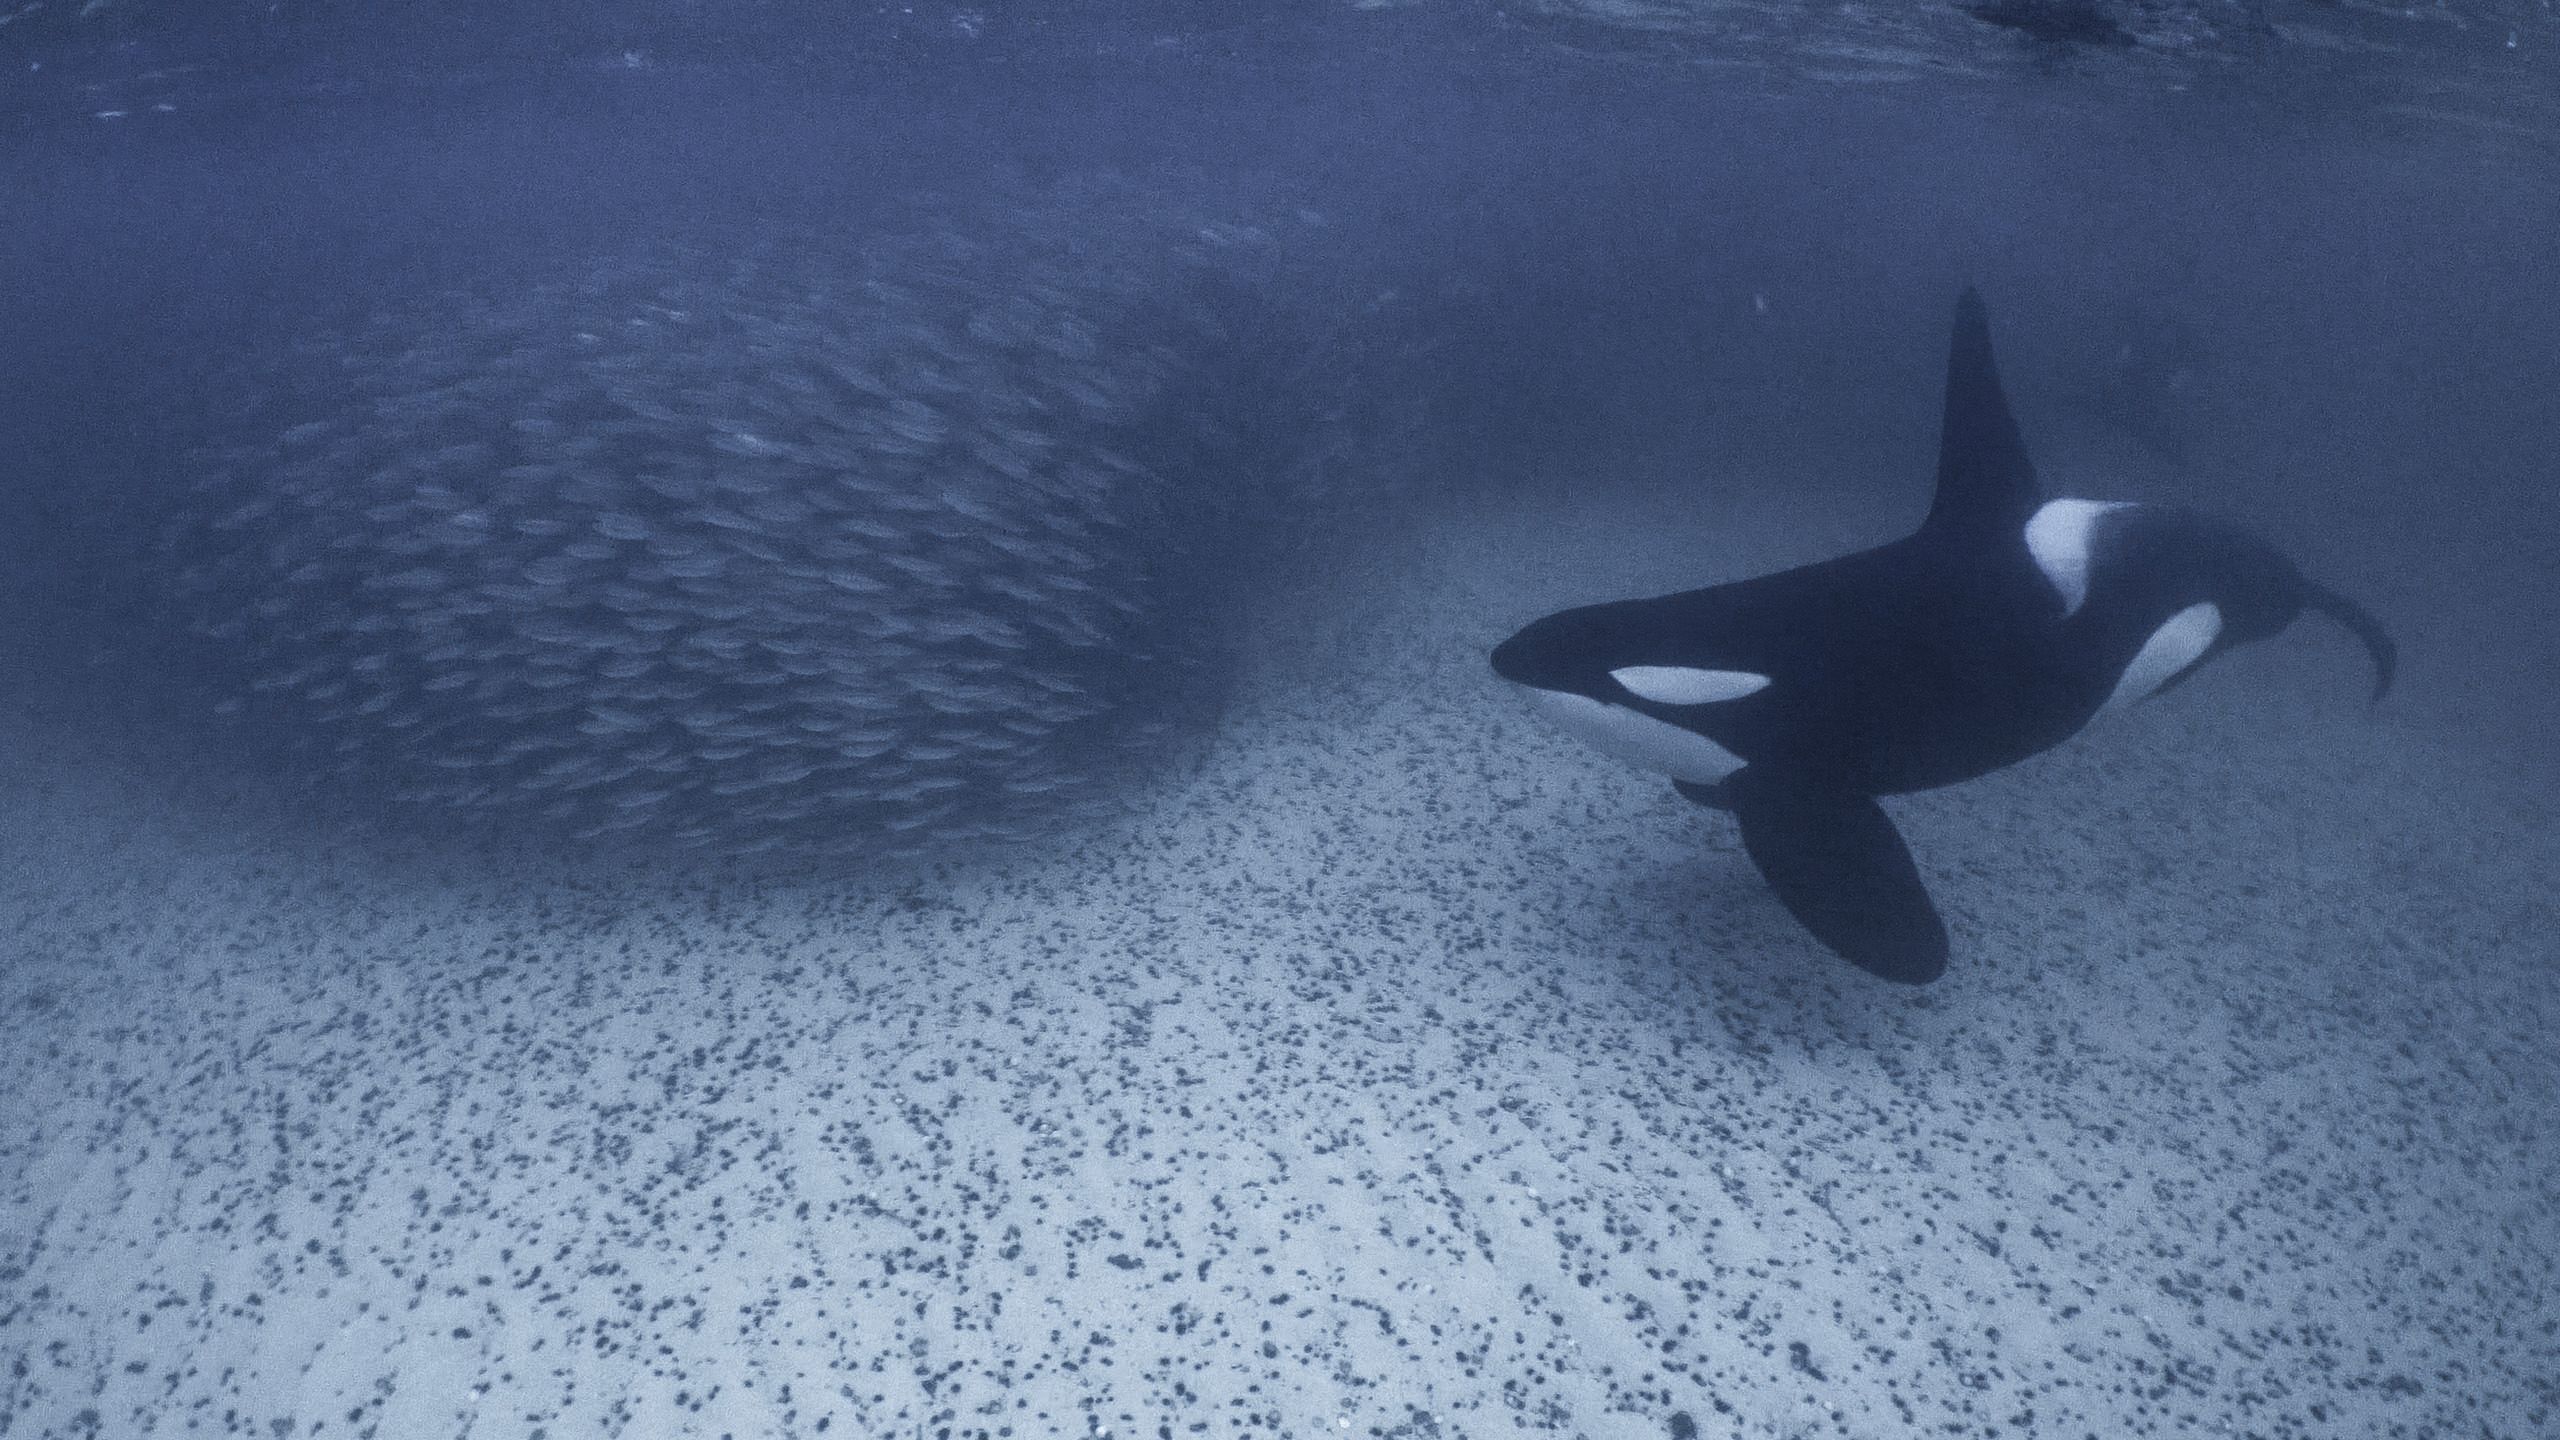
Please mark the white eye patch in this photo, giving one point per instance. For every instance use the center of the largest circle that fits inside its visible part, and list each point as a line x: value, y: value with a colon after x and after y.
x: 1681, y: 685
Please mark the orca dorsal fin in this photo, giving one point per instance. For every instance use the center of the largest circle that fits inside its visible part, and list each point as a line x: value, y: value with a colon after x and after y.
x: 1985, y: 479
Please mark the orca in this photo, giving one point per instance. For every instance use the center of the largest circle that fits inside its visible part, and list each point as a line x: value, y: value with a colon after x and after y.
x: 1997, y: 630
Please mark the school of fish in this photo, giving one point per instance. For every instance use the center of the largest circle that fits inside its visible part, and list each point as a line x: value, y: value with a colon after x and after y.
x: 776, y: 549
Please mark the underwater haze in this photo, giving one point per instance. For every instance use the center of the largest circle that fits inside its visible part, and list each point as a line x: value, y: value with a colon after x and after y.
x: 779, y: 724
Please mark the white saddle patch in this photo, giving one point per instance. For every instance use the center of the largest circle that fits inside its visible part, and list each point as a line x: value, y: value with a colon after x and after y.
x: 1681, y: 685
x: 2180, y: 641
x: 1639, y: 740
x: 2058, y: 537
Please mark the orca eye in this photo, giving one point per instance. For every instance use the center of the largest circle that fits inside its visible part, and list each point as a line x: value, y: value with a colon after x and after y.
x: 1683, y: 685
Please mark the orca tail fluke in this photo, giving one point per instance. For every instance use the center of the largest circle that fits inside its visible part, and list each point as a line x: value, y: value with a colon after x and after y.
x: 2360, y: 623
x: 1838, y: 865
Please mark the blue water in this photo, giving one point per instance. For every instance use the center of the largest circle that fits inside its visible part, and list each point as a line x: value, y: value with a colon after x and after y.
x: 779, y: 726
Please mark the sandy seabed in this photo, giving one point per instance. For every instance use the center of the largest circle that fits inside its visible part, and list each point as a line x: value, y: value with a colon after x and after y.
x: 1403, y: 1072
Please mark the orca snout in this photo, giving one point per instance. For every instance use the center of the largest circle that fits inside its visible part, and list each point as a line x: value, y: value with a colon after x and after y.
x: 1513, y: 659
x: 1546, y: 654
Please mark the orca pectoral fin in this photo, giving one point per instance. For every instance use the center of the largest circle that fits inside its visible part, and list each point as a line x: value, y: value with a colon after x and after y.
x: 1841, y: 869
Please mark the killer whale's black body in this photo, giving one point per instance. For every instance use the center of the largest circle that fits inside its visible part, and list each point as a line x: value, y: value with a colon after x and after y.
x: 1996, y: 630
